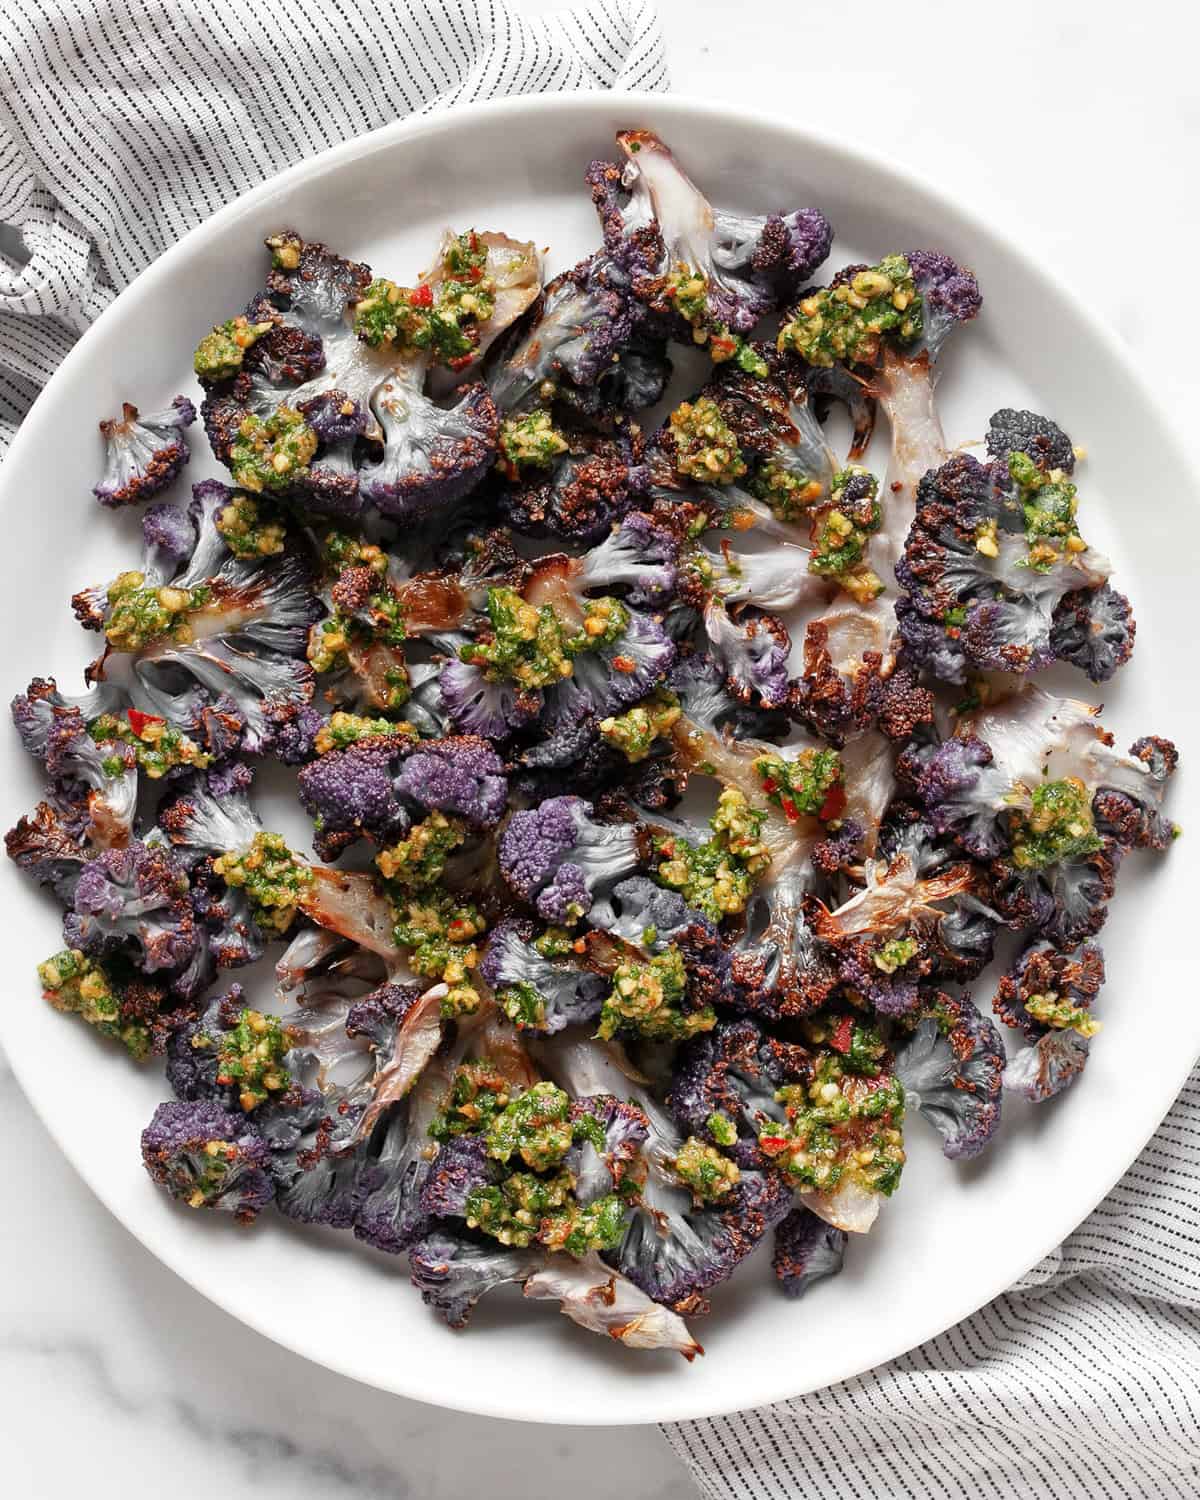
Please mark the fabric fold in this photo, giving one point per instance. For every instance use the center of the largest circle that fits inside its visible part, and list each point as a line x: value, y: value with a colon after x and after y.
x: 123, y: 124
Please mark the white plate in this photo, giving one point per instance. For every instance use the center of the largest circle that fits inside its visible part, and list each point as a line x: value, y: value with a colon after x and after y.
x: 954, y: 1237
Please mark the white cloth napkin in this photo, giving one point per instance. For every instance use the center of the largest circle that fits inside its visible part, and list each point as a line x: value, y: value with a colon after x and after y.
x: 123, y: 123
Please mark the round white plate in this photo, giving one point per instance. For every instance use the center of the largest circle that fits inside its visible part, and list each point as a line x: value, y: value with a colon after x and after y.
x: 955, y: 1236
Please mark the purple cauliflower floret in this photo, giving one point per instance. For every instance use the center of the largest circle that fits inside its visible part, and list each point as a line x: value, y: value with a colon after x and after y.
x: 208, y: 1157
x: 676, y: 1252
x: 951, y: 1068
x: 963, y: 794
x: 210, y: 814
x: 334, y: 416
x: 752, y: 652
x: 987, y: 585
x: 461, y: 1165
x: 330, y: 482
x: 640, y: 555
x: 364, y: 790
x: 807, y: 1249
x: 658, y: 224
x: 314, y: 1183
x: 540, y: 841
x: 1044, y: 441
x: 733, y: 1072
x: 1049, y: 1066
x: 477, y: 705
x: 192, y: 1054
x: 463, y: 776
x: 312, y: 283
x: 699, y: 684
x: 1094, y: 630
x: 533, y: 991
x: 389, y: 1214
x: 101, y: 779
x: 351, y: 794
x: 589, y: 488
x: 1048, y: 976
x: 949, y: 295
x: 295, y: 733
x: 641, y: 906
x: 432, y: 456
x: 134, y: 900
x: 600, y: 1170
x: 566, y: 896
x: 144, y: 454
x: 578, y: 330
x: 50, y: 846
x: 33, y: 713
x: 452, y: 1272
x: 1065, y: 902
x: 168, y: 538
x: 618, y: 673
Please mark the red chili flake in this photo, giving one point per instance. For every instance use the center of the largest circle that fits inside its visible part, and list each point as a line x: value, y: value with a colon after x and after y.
x: 842, y: 1034
x: 139, y: 720
x: 834, y: 804
x: 422, y: 295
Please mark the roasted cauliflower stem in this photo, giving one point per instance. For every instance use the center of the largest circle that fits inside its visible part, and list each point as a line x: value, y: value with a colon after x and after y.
x: 671, y: 778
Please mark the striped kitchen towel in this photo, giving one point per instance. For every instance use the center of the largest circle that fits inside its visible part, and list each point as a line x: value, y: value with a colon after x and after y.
x: 123, y: 123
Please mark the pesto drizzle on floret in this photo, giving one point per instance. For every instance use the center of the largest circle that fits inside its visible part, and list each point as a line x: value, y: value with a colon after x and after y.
x: 140, y: 613
x: 687, y: 291
x: 1057, y: 824
x: 250, y: 529
x: 532, y: 647
x: 717, y: 876
x: 708, y: 1172
x: 646, y: 1000
x: 158, y: 746
x: 1048, y: 504
x: 635, y: 731
x: 436, y: 926
x: 849, y: 321
x: 75, y: 983
x: 846, y: 1121
x: 478, y: 1093
x: 529, y: 440
x: 841, y: 530
x: 219, y: 354
x: 249, y: 1057
x: 273, y: 877
x: 809, y: 785
x: 440, y: 319
x: 706, y: 447
x: 270, y: 452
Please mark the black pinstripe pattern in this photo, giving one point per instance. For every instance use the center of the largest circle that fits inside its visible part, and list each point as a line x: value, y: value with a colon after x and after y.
x: 124, y: 123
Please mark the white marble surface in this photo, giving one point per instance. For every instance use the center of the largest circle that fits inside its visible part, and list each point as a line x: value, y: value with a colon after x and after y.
x: 118, y: 1379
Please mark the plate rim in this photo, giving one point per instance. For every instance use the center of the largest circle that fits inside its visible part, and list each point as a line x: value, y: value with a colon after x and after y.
x: 396, y: 134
